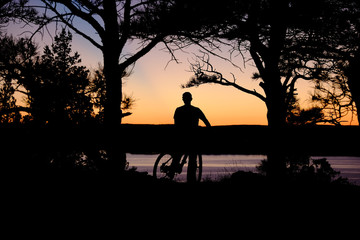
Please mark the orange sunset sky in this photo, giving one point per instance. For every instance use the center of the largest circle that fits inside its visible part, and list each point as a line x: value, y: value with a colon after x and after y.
x: 156, y: 85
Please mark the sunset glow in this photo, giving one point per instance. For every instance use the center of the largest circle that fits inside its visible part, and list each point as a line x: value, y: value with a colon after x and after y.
x: 157, y: 90
x: 155, y: 84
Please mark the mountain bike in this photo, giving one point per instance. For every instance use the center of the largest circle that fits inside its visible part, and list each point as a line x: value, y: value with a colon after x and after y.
x: 164, y: 169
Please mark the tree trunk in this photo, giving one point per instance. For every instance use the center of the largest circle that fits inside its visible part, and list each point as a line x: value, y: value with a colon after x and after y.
x: 276, y: 121
x: 276, y: 115
x: 112, y: 72
x: 275, y: 97
x: 112, y: 118
x: 353, y: 76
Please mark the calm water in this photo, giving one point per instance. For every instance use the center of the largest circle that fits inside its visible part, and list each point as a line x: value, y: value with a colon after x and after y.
x: 218, y: 166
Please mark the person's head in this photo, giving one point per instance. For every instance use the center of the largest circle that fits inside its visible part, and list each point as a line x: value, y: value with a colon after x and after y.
x: 187, y: 97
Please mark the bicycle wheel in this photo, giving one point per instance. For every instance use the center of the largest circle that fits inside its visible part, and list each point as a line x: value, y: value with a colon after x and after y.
x: 162, y: 166
x: 198, y: 170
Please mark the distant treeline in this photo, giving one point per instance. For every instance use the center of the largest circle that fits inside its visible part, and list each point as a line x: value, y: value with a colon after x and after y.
x: 237, y: 139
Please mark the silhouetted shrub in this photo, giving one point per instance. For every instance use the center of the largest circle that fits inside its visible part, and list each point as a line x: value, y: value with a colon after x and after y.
x: 305, y: 168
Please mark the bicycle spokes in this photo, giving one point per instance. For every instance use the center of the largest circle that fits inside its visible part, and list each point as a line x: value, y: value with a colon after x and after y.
x: 168, y: 166
x: 165, y: 167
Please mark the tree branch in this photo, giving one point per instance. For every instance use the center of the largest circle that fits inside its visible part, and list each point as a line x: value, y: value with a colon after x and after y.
x: 142, y: 52
x: 126, y: 26
x: 77, y: 12
x: 202, y: 77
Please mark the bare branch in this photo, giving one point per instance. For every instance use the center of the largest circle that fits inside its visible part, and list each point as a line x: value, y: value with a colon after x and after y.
x: 173, y: 57
x: 142, y: 52
x: 67, y: 19
x: 205, y: 73
x: 212, y: 49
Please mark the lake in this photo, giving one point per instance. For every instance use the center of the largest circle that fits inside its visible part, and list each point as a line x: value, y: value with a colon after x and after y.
x: 218, y: 166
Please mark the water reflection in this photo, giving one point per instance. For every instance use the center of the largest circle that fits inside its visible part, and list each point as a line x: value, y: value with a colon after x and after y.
x: 218, y: 166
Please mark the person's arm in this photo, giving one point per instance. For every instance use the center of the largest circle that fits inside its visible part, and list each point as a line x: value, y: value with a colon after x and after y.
x: 204, y: 119
x: 176, y: 117
x: 207, y: 123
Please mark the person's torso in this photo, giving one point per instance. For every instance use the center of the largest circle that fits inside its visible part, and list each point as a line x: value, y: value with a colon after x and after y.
x: 187, y: 116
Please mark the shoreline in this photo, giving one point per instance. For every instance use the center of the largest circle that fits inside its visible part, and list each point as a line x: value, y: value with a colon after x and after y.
x: 234, y: 139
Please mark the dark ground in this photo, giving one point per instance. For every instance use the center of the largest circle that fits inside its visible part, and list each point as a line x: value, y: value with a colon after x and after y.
x: 136, y: 206
x: 58, y: 205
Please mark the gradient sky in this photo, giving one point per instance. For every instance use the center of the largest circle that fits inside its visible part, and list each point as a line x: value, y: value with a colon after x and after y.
x: 156, y: 85
x: 157, y: 88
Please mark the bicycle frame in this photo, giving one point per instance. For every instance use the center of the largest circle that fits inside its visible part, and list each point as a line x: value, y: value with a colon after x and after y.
x: 163, y: 166
x: 182, y: 162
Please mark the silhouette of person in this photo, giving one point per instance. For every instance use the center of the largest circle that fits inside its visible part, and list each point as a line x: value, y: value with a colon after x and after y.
x: 188, y: 116
x: 186, y: 119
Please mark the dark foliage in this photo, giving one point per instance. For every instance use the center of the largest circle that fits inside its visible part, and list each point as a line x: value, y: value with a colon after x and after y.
x: 305, y: 169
